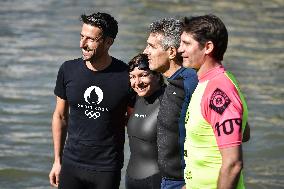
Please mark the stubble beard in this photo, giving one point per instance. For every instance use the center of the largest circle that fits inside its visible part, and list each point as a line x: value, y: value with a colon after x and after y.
x: 91, y: 58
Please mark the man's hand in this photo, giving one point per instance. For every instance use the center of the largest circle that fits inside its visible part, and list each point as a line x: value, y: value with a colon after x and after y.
x: 54, y: 174
x: 184, y: 187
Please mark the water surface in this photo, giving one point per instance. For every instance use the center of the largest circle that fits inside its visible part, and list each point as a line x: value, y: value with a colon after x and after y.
x: 38, y: 35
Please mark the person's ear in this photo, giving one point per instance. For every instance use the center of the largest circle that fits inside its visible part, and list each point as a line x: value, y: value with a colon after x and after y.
x: 108, y: 41
x: 209, y: 46
x: 172, y: 52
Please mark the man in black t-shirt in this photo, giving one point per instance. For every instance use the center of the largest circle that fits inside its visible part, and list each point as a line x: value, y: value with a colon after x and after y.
x: 91, y: 101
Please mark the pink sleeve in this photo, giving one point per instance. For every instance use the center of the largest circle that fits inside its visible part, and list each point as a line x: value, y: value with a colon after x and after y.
x: 222, y: 109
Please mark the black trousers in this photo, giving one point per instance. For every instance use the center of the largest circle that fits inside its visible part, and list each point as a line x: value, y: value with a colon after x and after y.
x: 72, y: 177
x: 152, y: 182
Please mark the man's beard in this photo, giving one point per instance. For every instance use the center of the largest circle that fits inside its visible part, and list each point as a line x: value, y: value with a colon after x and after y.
x: 88, y: 58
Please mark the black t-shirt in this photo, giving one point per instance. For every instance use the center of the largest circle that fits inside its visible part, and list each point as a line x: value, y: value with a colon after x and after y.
x: 98, y: 102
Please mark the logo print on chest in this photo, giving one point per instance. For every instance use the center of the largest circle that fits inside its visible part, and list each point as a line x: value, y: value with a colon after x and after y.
x: 92, y: 110
x: 140, y: 115
x: 97, y: 90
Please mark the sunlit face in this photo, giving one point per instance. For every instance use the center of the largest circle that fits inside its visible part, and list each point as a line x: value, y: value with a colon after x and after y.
x: 143, y: 82
x: 193, y: 55
x: 92, y: 42
x: 158, y: 57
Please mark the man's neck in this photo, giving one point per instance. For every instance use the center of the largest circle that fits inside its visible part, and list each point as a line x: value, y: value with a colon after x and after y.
x: 208, y: 65
x: 100, y: 63
x: 174, y: 66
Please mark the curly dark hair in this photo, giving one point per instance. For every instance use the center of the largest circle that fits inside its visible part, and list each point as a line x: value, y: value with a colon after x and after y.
x: 104, y: 21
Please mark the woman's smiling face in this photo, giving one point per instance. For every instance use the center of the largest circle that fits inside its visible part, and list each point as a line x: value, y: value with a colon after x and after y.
x: 143, y: 82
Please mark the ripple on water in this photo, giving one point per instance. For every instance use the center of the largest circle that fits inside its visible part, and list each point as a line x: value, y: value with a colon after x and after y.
x: 261, y: 170
x: 21, y: 176
x: 37, y: 36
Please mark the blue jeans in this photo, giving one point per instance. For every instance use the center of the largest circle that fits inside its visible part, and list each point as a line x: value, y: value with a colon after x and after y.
x: 171, y: 183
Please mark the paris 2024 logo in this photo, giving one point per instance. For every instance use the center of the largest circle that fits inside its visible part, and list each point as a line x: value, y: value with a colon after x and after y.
x: 93, y: 96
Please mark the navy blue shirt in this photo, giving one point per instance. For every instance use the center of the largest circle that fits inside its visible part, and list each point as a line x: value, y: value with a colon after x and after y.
x: 97, y: 102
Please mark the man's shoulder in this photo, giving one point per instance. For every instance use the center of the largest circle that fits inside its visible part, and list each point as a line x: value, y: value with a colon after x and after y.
x: 74, y: 62
x: 220, y: 82
x: 119, y: 64
x: 190, y: 79
x: 184, y: 73
x: 188, y: 73
x: 220, y: 79
x: 70, y: 65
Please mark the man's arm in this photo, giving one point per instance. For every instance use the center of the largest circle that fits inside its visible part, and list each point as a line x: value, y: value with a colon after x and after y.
x: 59, y: 132
x: 232, y: 164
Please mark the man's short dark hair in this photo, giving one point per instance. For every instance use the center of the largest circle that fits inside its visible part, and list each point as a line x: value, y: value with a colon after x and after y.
x: 104, y: 21
x: 208, y: 28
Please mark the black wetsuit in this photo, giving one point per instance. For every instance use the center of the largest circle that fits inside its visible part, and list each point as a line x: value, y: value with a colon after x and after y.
x: 142, y: 170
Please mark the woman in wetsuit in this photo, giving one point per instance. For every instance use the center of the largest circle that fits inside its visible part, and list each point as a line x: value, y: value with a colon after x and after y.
x: 142, y: 170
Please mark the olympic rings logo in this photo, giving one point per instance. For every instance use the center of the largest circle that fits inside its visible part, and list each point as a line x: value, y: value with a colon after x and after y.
x: 92, y: 114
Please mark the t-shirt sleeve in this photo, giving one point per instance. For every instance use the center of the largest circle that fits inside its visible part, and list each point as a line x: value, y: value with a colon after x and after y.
x: 222, y: 108
x: 60, y: 87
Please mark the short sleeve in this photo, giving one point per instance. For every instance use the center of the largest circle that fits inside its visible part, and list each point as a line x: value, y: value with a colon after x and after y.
x: 60, y: 87
x: 222, y: 108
